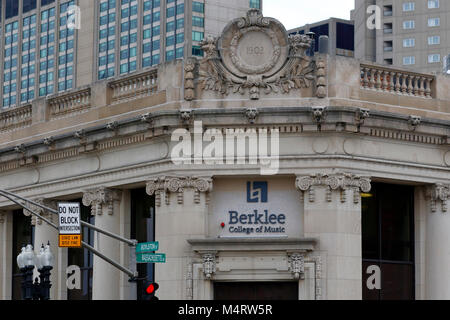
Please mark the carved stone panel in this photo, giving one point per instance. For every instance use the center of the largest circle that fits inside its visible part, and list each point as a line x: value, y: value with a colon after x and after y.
x: 255, y: 53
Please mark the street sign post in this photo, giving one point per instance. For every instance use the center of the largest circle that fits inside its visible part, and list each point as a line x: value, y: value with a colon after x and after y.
x: 150, y: 258
x: 69, y: 225
x: 147, y: 247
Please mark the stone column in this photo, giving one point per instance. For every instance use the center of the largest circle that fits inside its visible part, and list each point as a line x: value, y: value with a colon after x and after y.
x: 437, y: 244
x: 6, y: 254
x: 105, y: 206
x: 332, y: 214
x: 45, y: 233
x: 181, y: 214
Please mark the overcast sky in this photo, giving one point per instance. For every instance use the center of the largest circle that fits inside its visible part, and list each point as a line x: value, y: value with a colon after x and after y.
x: 296, y: 13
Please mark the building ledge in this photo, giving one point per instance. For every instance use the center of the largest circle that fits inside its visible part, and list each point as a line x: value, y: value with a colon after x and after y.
x: 253, y: 244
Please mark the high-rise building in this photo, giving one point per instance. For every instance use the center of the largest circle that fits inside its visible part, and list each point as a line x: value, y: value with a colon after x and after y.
x: 339, y: 31
x: 42, y: 56
x: 412, y: 34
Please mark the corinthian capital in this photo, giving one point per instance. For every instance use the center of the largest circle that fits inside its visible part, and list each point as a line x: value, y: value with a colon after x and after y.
x: 99, y: 197
x: 166, y: 185
x: 340, y: 182
x: 52, y: 204
x: 438, y: 193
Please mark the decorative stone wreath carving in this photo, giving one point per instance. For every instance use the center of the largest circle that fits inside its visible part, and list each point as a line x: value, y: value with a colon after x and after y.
x: 341, y: 182
x: 166, y: 185
x: 254, y: 53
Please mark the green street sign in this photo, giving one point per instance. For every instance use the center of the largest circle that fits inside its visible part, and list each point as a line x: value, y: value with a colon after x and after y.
x: 151, y: 258
x: 147, y: 247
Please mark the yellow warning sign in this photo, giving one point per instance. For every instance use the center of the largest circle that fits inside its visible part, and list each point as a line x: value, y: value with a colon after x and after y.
x: 70, y: 240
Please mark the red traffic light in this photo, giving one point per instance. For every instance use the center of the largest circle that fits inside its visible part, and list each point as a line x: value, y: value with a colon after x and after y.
x: 152, y: 288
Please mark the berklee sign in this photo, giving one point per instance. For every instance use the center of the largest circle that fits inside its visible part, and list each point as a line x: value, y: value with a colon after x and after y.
x: 244, y: 208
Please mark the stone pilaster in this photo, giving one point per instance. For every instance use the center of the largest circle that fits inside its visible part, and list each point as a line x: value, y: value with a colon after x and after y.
x: 105, y: 205
x: 6, y: 254
x: 437, y: 243
x: 45, y: 233
x: 332, y: 214
x: 181, y: 214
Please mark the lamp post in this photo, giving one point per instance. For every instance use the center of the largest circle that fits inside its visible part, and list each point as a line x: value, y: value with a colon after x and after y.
x: 43, y: 261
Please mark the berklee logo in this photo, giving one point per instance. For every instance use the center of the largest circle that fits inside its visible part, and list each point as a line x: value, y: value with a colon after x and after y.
x: 257, y: 192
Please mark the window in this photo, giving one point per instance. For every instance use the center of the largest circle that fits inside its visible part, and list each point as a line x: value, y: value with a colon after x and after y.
x: 197, y: 36
x: 23, y: 233
x: 197, y: 51
x: 434, y: 22
x: 409, y: 60
x: 434, y: 58
x: 170, y: 26
x: 198, y: 21
x: 256, y: 4
x: 170, y: 12
x: 170, y: 40
x: 170, y: 55
x: 433, y: 4
x: 179, y: 53
x: 409, y: 43
x: 180, y: 38
x: 180, y: 23
x: 143, y: 228
x: 198, y: 7
x: 408, y: 6
x: 409, y: 24
x: 83, y: 258
x: 388, y: 241
x: 433, y: 40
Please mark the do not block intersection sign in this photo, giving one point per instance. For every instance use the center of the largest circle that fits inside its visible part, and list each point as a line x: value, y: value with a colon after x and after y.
x: 69, y: 225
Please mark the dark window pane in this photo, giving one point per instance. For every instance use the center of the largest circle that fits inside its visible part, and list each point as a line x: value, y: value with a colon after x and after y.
x: 345, y: 36
x: 12, y: 8
x: 143, y: 230
x: 322, y: 30
x: 396, y: 223
x: 23, y: 234
x: 370, y: 222
x: 397, y: 282
x: 83, y: 258
x: 28, y: 5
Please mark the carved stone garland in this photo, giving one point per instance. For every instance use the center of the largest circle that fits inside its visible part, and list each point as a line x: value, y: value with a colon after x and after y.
x: 342, y: 182
x: 166, y: 185
x: 285, y: 69
x: 99, y: 197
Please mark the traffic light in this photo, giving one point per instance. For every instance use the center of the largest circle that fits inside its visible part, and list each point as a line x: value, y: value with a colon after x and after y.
x: 151, y: 290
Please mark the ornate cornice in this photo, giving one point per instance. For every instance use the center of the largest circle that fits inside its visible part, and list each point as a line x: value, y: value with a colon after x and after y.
x: 341, y: 182
x: 438, y: 193
x: 52, y: 204
x: 167, y: 185
x: 100, y: 197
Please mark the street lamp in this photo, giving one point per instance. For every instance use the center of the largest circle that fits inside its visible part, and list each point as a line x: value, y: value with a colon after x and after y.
x: 43, y: 261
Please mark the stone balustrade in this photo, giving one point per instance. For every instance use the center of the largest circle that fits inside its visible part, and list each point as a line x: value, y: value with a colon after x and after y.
x: 384, y: 79
x: 139, y: 85
x: 18, y: 117
x: 70, y: 103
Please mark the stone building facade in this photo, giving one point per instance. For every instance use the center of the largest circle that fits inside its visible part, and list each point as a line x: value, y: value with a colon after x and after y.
x: 352, y: 142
